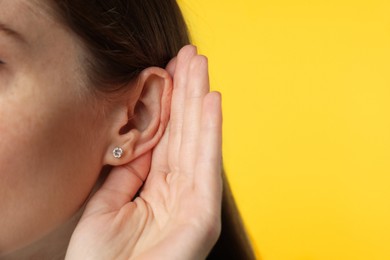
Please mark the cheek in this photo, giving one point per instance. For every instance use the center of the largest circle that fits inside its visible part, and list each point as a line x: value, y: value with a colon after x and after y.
x: 50, y: 158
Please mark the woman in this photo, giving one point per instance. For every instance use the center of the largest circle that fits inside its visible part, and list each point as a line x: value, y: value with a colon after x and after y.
x: 95, y: 133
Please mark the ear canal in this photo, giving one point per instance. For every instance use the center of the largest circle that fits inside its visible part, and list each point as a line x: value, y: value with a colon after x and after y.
x: 126, y: 128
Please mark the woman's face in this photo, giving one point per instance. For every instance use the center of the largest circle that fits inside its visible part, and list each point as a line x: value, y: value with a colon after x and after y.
x: 50, y: 150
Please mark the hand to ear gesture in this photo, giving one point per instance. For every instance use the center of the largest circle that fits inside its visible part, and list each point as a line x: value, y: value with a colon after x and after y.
x: 177, y: 212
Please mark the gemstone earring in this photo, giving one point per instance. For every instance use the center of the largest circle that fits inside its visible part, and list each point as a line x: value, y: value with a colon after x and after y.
x: 117, y: 152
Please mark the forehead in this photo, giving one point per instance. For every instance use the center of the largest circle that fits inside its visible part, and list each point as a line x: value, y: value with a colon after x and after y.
x: 23, y: 14
x: 48, y: 40
x: 33, y: 22
x: 8, y: 8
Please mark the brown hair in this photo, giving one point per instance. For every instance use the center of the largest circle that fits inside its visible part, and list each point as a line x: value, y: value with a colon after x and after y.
x: 123, y: 37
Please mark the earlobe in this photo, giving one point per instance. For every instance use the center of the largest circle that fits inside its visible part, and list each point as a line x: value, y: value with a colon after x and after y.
x: 142, y: 117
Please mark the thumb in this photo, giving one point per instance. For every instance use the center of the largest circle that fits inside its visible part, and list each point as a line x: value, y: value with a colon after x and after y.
x: 120, y: 187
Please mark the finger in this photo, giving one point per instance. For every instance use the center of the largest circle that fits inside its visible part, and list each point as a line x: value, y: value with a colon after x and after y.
x: 159, y: 165
x: 197, y: 88
x: 209, y: 157
x: 171, y: 67
x: 120, y: 187
x: 178, y: 102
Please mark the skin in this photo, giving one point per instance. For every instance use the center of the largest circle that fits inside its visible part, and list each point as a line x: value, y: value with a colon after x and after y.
x: 55, y: 142
x: 48, y: 157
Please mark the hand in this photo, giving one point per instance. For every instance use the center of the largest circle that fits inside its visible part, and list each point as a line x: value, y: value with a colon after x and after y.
x: 177, y: 212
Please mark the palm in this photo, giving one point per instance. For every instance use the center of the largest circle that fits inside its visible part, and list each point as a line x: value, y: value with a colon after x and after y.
x: 176, y: 215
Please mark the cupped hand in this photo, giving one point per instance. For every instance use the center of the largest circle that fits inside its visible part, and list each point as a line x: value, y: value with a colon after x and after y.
x: 176, y: 214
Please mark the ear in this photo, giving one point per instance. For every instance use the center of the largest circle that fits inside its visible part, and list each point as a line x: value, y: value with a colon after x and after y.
x: 142, y: 119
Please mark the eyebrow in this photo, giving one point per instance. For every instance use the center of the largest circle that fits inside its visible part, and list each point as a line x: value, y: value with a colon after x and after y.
x: 14, y: 34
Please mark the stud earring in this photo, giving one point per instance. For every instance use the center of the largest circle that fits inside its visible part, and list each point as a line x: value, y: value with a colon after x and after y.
x: 117, y: 152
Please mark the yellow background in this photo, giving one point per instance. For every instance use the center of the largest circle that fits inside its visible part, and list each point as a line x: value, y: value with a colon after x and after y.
x: 306, y: 96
